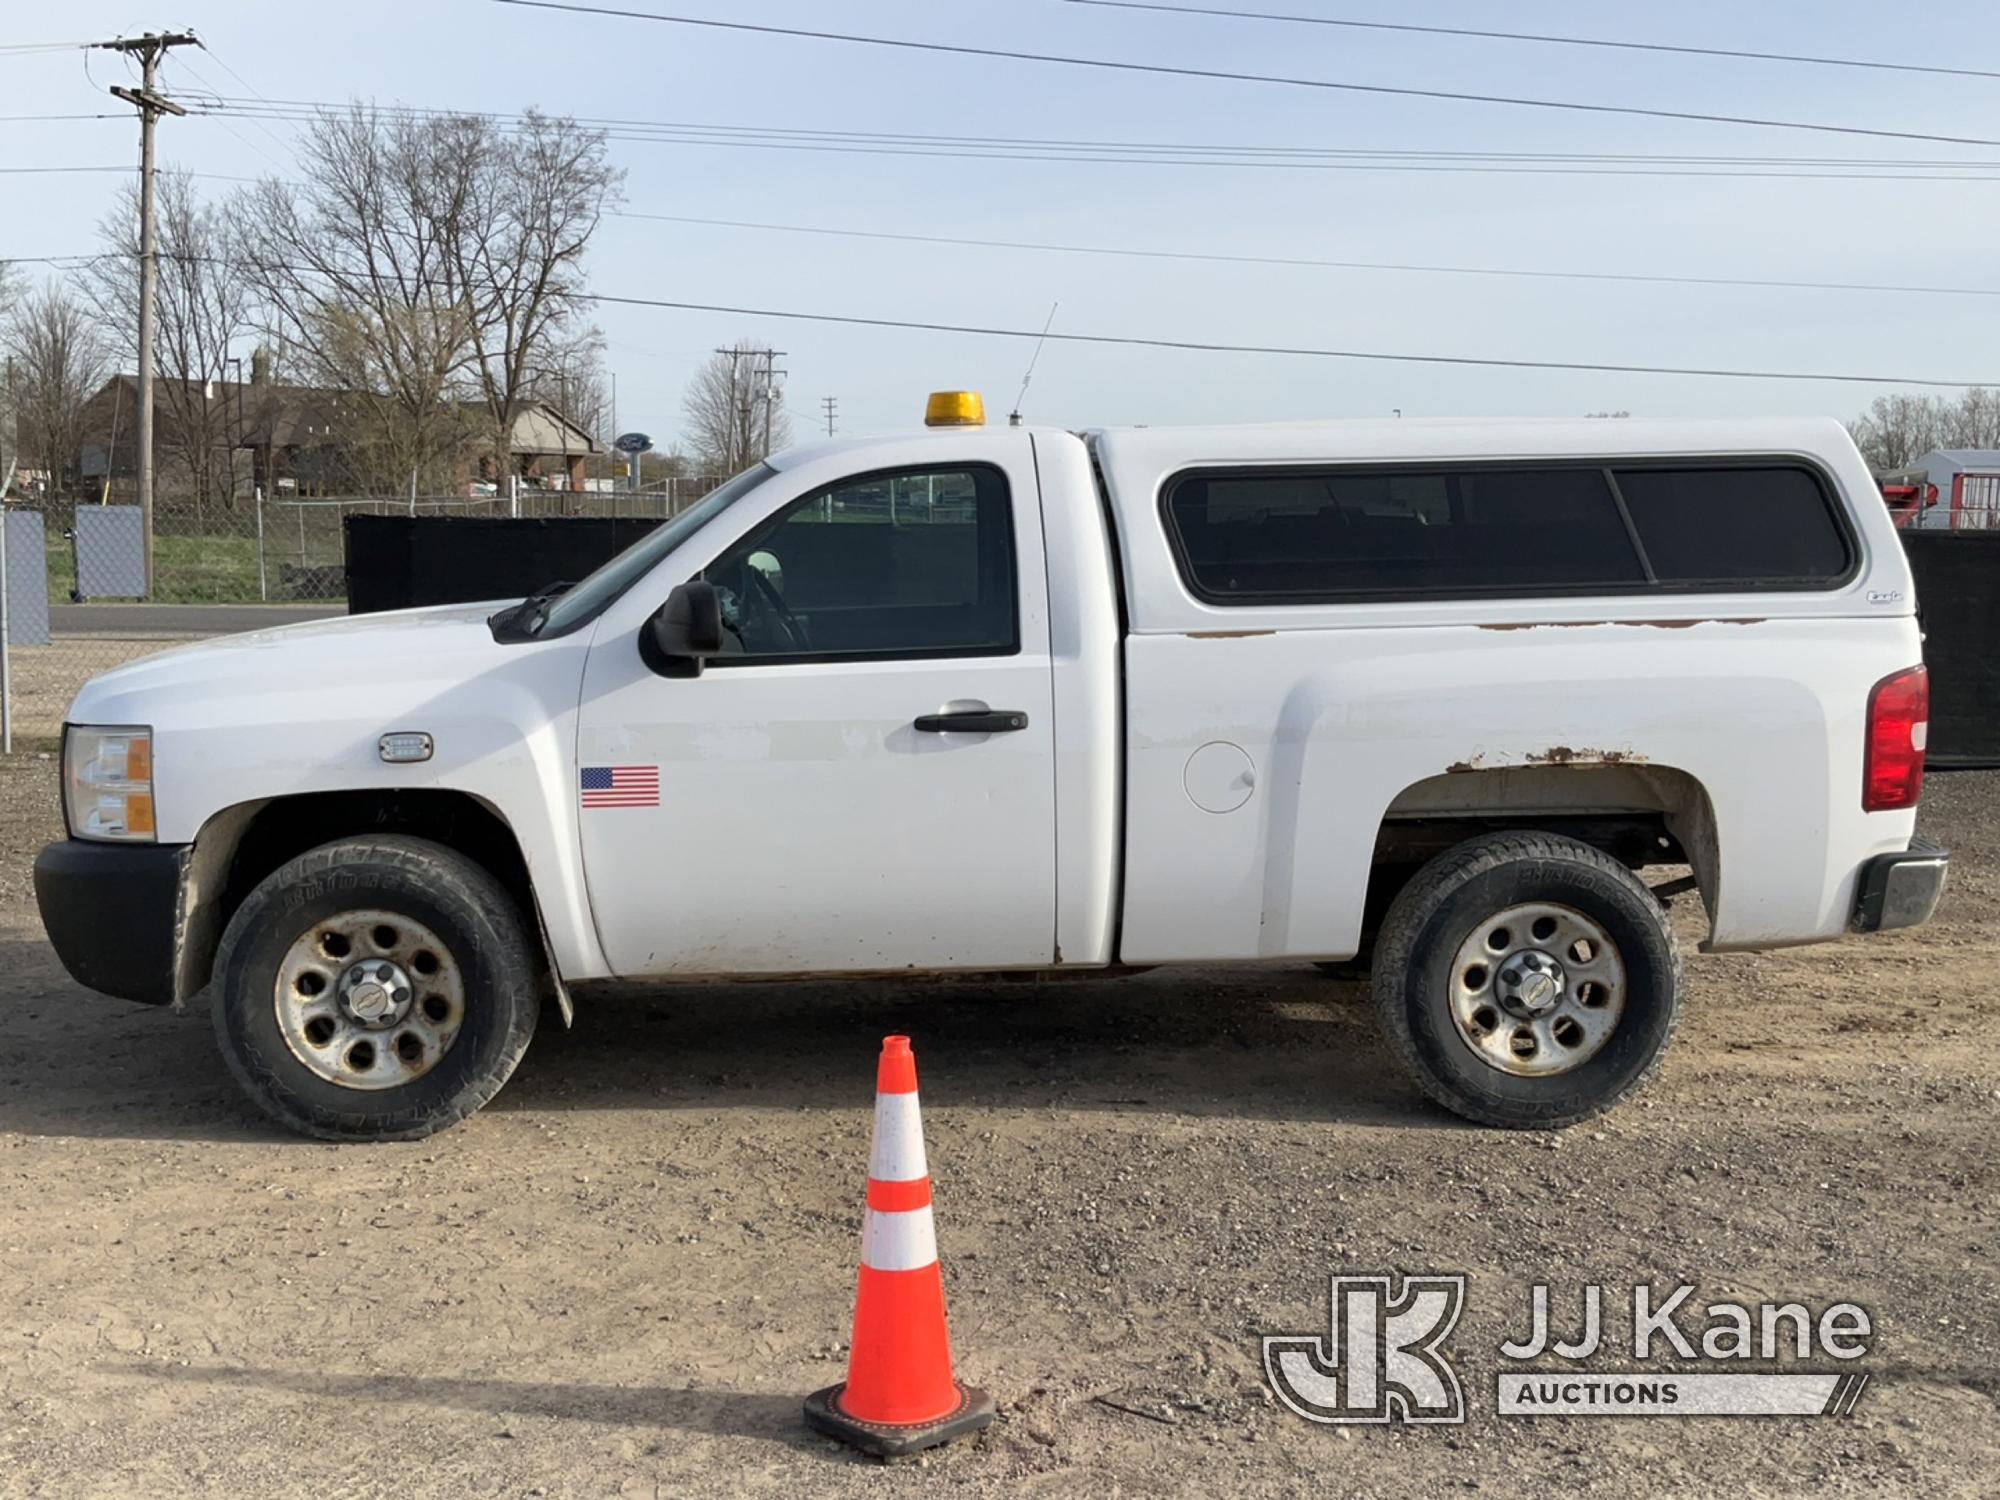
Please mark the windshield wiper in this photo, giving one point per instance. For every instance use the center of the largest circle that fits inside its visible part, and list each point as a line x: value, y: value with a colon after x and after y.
x: 520, y: 621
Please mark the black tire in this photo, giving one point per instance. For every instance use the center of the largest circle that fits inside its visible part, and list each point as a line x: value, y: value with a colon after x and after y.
x: 1443, y: 907
x: 469, y: 912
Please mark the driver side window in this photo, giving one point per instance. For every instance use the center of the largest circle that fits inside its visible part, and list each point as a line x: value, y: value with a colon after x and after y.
x: 908, y: 563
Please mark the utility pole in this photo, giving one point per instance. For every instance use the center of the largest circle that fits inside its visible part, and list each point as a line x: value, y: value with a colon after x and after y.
x: 770, y: 392
x: 739, y: 408
x: 770, y: 355
x: 832, y: 404
x: 151, y: 104
x: 745, y: 396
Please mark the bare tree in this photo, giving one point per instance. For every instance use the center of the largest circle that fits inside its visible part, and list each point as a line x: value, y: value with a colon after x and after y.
x: 56, y: 360
x: 433, y: 269
x: 516, y: 235
x: 201, y: 313
x: 1898, y: 428
x: 9, y: 430
x: 358, y: 282
x: 734, y: 409
x: 1973, y: 421
x: 572, y: 379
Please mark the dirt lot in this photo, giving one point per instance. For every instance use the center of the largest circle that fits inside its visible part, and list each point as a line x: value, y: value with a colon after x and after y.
x: 622, y: 1277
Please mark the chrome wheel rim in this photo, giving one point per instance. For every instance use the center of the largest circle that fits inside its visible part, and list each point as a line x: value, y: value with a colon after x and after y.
x: 369, y: 999
x: 1537, y: 989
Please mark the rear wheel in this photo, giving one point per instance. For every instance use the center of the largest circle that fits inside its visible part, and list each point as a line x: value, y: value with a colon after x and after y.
x: 1527, y: 980
x: 375, y: 989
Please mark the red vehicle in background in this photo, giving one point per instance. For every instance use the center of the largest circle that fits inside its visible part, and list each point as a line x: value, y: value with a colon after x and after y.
x: 1908, y: 493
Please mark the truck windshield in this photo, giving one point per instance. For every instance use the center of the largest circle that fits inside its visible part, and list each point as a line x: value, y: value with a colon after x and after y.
x: 590, y: 598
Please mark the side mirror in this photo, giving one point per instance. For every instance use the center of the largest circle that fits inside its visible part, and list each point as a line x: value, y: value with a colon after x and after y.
x: 684, y: 630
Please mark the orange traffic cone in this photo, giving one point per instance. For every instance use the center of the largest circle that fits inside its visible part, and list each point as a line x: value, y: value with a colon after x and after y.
x: 900, y: 1395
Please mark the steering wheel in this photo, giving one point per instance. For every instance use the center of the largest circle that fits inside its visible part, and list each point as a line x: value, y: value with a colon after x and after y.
x: 771, y: 600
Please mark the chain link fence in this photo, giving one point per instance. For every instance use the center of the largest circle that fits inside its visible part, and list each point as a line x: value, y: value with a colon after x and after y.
x: 76, y: 601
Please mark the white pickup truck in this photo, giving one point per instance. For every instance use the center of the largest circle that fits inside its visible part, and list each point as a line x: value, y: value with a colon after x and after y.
x: 1021, y: 699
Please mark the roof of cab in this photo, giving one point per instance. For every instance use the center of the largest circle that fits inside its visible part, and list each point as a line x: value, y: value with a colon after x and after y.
x: 804, y: 453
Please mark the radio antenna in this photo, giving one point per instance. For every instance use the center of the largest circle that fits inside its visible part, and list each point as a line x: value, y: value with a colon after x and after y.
x: 1014, y: 416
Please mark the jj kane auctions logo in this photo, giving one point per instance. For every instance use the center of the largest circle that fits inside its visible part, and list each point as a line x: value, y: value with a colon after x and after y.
x: 1383, y: 1358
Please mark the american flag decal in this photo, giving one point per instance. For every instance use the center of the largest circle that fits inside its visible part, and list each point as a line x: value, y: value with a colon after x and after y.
x: 621, y: 786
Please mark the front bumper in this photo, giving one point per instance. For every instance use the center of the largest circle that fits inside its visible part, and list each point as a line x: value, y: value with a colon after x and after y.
x: 112, y: 911
x: 1900, y: 890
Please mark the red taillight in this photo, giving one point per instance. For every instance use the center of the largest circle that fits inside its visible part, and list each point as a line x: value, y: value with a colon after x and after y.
x: 1892, y: 769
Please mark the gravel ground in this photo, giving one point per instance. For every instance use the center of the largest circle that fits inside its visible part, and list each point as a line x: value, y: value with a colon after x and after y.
x: 621, y: 1278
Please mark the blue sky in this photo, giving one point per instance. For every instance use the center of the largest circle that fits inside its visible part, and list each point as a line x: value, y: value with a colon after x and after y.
x: 478, y: 55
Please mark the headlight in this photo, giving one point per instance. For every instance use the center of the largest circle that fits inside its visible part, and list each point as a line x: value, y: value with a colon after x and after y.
x: 108, y: 783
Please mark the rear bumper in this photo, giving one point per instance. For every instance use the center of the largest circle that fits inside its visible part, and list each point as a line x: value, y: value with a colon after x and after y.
x: 1900, y: 890
x: 111, y: 911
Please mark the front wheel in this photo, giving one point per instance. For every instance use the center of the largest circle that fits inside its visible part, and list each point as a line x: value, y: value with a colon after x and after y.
x: 375, y: 989
x: 1527, y: 980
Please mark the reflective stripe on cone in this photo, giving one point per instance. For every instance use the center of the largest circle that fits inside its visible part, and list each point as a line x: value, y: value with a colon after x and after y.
x: 897, y: 1154
x: 898, y: 1242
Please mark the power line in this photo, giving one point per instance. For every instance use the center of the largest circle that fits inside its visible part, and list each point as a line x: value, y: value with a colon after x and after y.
x: 1829, y: 169
x: 1202, y: 346
x: 1208, y: 347
x: 205, y: 176
x: 1222, y: 258
x: 1011, y: 55
x: 223, y: 63
x: 1311, y: 263
x: 201, y: 78
x: 1535, y: 36
x: 30, y: 49
x: 311, y: 108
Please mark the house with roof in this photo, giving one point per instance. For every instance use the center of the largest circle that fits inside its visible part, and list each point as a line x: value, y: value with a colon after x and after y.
x: 296, y: 438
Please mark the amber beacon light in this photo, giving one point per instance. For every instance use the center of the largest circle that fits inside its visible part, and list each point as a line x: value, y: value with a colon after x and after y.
x: 955, y: 409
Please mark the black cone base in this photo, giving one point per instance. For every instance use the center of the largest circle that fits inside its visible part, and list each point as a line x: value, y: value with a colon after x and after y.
x: 893, y: 1440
